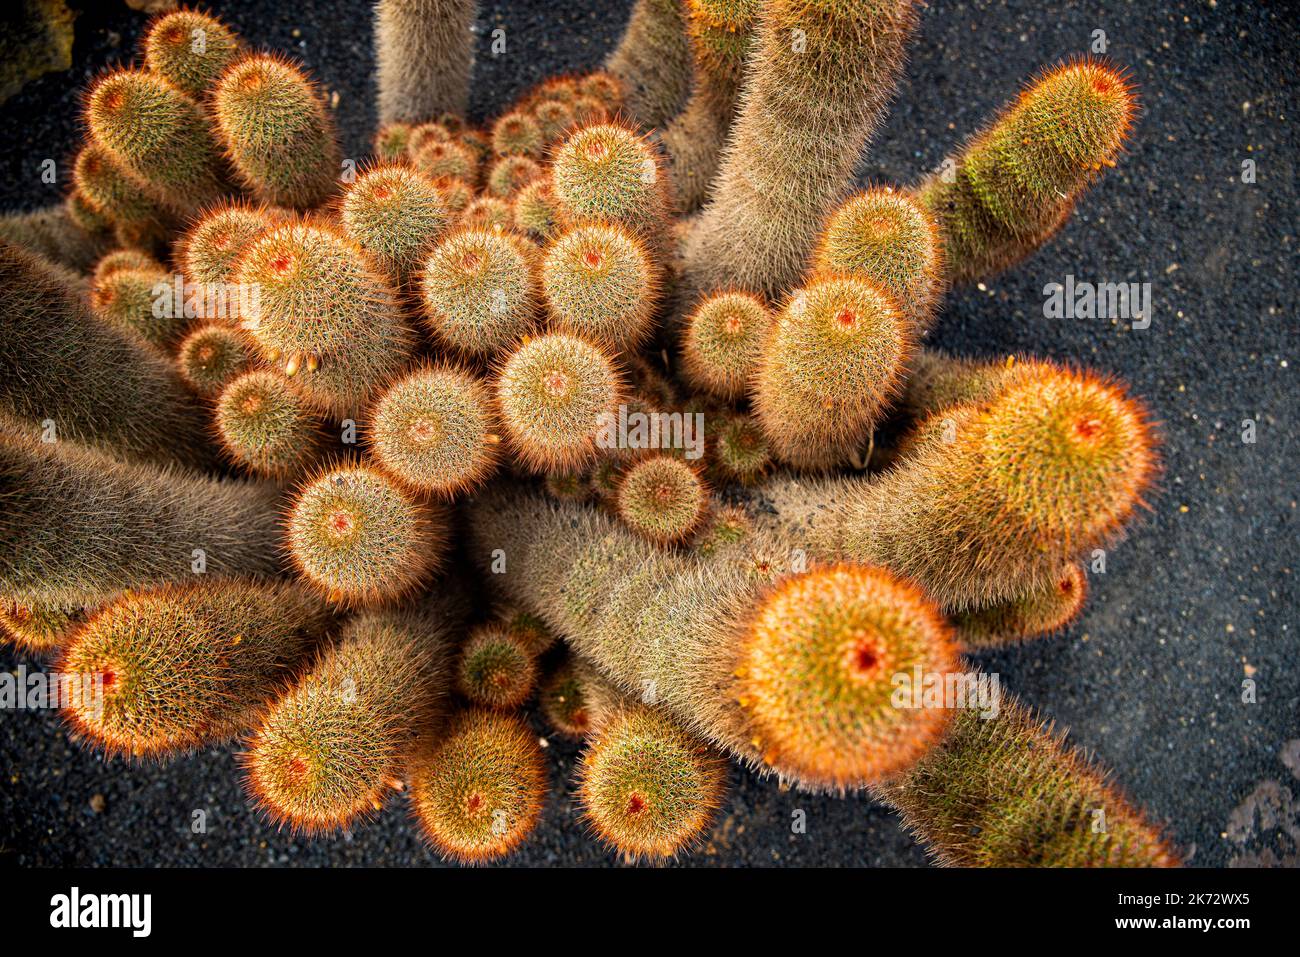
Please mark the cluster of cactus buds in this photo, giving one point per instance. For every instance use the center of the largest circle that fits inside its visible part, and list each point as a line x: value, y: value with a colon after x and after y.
x: 516, y: 330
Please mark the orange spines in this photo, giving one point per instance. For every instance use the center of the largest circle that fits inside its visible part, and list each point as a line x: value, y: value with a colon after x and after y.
x: 360, y: 538
x: 121, y: 196
x: 662, y: 498
x: 158, y: 135
x: 555, y: 393
x: 38, y: 629
x: 210, y: 250
x: 444, y: 158
x: 563, y: 701
x: 1016, y: 182
x: 510, y: 174
x: 478, y: 789
x: 212, y: 355
x: 129, y: 299
x: 723, y: 342
x: 334, y: 744
x: 601, y: 283
x: 265, y: 426
x: 277, y: 136
x: 497, y: 669
x: 396, y: 215
x: 890, y: 239
x: 517, y: 134
x: 536, y: 213
x: 184, y: 666
x: 1039, y: 611
x: 832, y: 362
x: 479, y: 290
x: 325, y: 312
x: 434, y: 431
x: 611, y: 173
x: 488, y: 212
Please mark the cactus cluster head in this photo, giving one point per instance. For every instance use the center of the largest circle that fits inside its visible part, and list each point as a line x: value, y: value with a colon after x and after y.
x: 190, y: 50
x: 663, y: 498
x: 212, y: 355
x: 497, y: 669
x: 600, y: 283
x: 264, y: 425
x: 723, y: 342
x: 395, y: 214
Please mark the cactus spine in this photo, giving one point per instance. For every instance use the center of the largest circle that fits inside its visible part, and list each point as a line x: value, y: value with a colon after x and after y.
x: 395, y: 214
x: 662, y: 498
x: 601, y: 284
x: 185, y: 666
x: 723, y: 343
x: 425, y: 52
x: 805, y: 120
x: 1039, y: 611
x: 334, y: 744
x: 38, y: 629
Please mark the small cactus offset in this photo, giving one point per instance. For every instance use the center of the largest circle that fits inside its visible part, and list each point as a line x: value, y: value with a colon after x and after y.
x: 641, y: 350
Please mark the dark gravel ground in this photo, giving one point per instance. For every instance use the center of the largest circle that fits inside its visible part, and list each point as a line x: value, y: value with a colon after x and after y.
x: 1199, y: 599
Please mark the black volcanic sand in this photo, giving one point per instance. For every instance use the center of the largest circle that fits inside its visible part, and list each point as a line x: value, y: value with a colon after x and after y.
x: 1199, y: 599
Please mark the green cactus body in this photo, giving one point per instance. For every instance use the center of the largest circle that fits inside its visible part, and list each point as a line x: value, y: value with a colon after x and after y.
x: 38, y: 629
x: 610, y: 173
x: 653, y: 62
x: 1006, y: 792
x: 517, y: 134
x: 265, y: 426
x: 508, y: 175
x: 396, y: 215
x: 127, y: 297
x: 212, y: 355
x: 189, y: 50
x: 496, y: 669
x: 1038, y: 612
x: 121, y: 197
x: 536, y: 213
x: 722, y: 343
x: 188, y: 665
x: 662, y: 498
x: 601, y: 284
x: 334, y: 744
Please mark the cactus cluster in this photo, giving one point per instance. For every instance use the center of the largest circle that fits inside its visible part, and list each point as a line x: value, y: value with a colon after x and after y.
x: 234, y: 513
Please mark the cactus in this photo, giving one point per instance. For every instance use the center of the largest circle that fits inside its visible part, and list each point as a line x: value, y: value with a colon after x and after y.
x: 611, y: 173
x: 806, y: 117
x: 210, y: 251
x: 789, y: 677
x: 601, y: 284
x: 1049, y: 468
x: 477, y: 791
x: 117, y: 194
x: 490, y: 213
x: 653, y: 62
x: 110, y: 263
x: 740, y: 451
x: 189, y: 50
x: 335, y: 743
x: 211, y: 356
x: 324, y: 310
x: 392, y: 142
x: 68, y: 375
x: 648, y: 788
x: 79, y: 527
x: 832, y: 362
x: 438, y: 159
x: 554, y: 394
x: 662, y: 498
x: 888, y: 238
x: 38, y: 629
x: 724, y: 528
x: 496, y: 668
x: 529, y: 629
x: 52, y: 234
x: 129, y: 298
x: 1037, y: 612
x: 159, y: 136
x: 396, y: 215
x: 479, y: 290
x: 554, y: 120
x: 508, y: 175
x: 185, y: 666
x: 722, y: 343
x: 720, y: 33
x: 536, y: 214
x: 517, y: 134
x: 1007, y: 792
x: 1016, y: 183
x: 425, y: 51
x: 273, y: 124
x: 360, y: 538
x: 434, y: 431
x: 563, y: 702
x: 265, y: 426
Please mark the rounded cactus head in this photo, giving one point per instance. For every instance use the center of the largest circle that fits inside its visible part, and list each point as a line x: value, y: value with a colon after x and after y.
x: 648, y: 788
x: 395, y: 214
x: 569, y: 486
x: 563, y: 702
x: 489, y: 212
x: 510, y: 174
x: 118, y: 259
x: 479, y: 290
x: 126, y: 298
x: 277, y: 134
x: 439, y: 158
x: 361, y: 539
x: 517, y: 134
x: 740, y: 449
x: 662, y: 498
x: 536, y: 213
x: 554, y: 119
x: 180, y: 667
x: 529, y: 629
x: 264, y: 425
x: 422, y: 134
x: 601, y: 284
x: 392, y: 141
x: 457, y: 193
x: 433, y: 431
x: 479, y: 791
x: 1068, y: 455
x: 891, y: 239
x: 1040, y: 611
x: 212, y: 355
x: 556, y: 393
x: 110, y: 189
x: 210, y: 250
x: 723, y: 341
x: 497, y: 669
x: 819, y: 668
x: 190, y: 50
x: 38, y: 629
x: 603, y: 86
x: 725, y: 527
x: 610, y: 173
